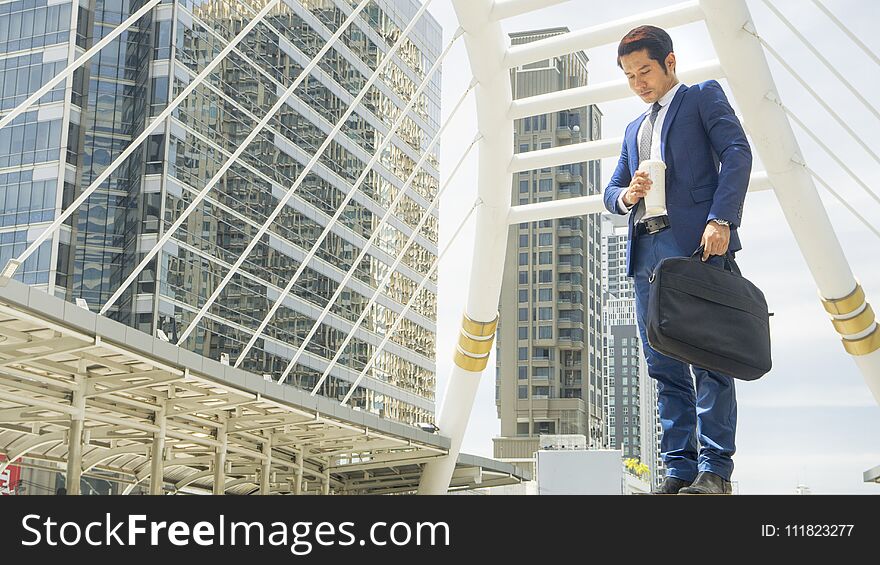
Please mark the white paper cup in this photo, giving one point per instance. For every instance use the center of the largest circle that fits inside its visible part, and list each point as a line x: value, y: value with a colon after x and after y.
x: 655, y: 200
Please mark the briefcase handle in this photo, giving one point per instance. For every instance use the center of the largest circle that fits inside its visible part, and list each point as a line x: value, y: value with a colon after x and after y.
x: 728, y: 265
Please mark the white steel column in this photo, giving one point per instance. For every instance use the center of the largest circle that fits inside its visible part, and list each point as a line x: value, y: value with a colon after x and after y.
x: 157, y: 455
x: 75, y: 434
x: 220, y: 457
x: 486, y: 47
x: 298, y: 475
x: 739, y: 50
x: 266, y: 467
x: 325, y: 480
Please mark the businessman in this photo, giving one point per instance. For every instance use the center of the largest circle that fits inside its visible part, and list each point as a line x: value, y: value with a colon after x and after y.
x: 695, y: 132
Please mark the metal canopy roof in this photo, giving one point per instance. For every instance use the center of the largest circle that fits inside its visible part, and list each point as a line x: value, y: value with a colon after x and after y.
x: 50, y: 348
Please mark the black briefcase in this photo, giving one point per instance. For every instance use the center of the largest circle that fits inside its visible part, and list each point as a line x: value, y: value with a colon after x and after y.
x: 709, y: 316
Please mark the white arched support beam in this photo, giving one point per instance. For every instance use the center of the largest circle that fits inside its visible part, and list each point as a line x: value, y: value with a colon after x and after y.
x: 601, y: 92
x: 503, y: 9
x: 739, y: 49
x: 592, y: 204
x: 486, y: 45
x: 582, y: 40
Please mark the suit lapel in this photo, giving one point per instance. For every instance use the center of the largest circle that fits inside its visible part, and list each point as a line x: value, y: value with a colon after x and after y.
x: 670, y: 116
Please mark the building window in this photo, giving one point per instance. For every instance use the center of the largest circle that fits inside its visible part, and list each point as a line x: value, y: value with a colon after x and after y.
x: 545, y: 332
x: 523, y: 295
x: 523, y: 186
x: 545, y: 185
x: 523, y: 314
x: 540, y: 392
x: 522, y: 373
x: 541, y: 372
x: 523, y: 277
x: 522, y: 392
x: 545, y: 276
x: 545, y: 313
x: 545, y: 427
x: 545, y: 239
x: 523, y: 332
x: 523, y: 259
x: 523, y: 353
x: 545, y: 257
x: 524, y: 148
x: 542, y: 354
x: 545, y: 294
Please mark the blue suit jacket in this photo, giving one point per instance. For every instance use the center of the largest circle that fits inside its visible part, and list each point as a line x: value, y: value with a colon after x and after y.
x: 708, y: 165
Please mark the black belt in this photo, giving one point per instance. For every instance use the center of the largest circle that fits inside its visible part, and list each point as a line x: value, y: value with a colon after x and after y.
x: 652, y: 225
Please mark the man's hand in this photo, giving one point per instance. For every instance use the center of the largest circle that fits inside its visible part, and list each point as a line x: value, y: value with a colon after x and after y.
x: 638, y: 188
x: 716, y: 240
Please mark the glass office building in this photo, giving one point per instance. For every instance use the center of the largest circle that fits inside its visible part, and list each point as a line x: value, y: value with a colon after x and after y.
x: 56, y: 149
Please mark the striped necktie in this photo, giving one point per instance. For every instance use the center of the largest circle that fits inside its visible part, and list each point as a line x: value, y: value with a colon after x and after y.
x: 645, y: 152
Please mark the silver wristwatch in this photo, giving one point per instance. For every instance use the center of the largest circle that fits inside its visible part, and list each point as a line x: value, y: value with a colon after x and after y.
x: 721, y: 222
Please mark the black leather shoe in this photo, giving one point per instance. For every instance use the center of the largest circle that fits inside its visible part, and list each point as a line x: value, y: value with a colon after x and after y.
x: 670, y: 485
x: 708, y: 483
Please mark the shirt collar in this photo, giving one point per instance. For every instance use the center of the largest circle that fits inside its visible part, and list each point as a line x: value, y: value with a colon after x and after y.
x: 667, y: 98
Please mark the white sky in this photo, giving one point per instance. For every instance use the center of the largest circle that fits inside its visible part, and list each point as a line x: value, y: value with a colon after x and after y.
x: 812, y: 419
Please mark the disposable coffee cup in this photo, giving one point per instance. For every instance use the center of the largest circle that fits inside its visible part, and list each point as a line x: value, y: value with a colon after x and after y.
x: 655, y: 200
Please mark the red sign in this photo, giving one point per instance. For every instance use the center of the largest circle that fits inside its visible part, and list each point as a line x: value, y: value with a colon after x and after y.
x: 9, y: 478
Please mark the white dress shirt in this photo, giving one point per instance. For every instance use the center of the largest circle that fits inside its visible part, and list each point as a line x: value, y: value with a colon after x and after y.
x: 655, y: 138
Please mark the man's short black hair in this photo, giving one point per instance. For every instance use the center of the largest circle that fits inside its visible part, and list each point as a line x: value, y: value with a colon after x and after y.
x: 654, y: 39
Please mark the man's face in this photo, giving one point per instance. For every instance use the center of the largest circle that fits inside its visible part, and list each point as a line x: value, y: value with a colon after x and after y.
x: 646, y: 77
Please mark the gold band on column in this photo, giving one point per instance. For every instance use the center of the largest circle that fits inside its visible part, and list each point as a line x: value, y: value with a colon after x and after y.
x: 854, y: 324
x: 846, y: 305
x: 858, y: 323
x: 479, y: 329
x: 864, y: 345
x: 468, y: 363
x: 474, y: 344
x: 478, y: 346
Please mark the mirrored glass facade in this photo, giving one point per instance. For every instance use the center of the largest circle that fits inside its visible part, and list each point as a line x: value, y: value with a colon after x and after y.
x: 53, y: 152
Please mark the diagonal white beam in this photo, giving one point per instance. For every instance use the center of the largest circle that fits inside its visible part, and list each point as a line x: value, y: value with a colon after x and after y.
x: 816, y: 96
x: 601, y: 92
x: 69, y: 69
x: 503, y: 9
x: 390, y: 333
x: 816, y: 53
x: 283, y: 202
x: 574, y: 153
x: 381, y: 287
x: 377, y: 230
x: 828, y: 151
x: 848, y: 33
x: 592, y: 204
x: 229, y: 162
x: 13, y: 264
x: 611, y: 32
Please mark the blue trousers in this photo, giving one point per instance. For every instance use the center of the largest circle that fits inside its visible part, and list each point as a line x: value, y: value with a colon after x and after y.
x: 709, y: 413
